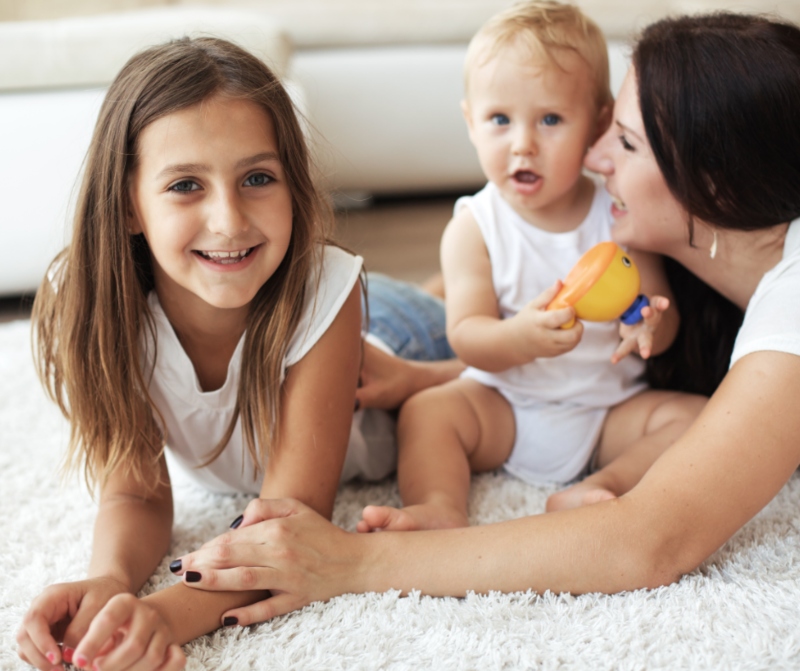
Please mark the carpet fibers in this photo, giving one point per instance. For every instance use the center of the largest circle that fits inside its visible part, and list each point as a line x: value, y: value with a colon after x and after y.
x: 739, y: 610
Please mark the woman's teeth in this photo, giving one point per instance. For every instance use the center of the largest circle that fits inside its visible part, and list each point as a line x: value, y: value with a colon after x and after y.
x: 619, y: 204
x: 226, y: 257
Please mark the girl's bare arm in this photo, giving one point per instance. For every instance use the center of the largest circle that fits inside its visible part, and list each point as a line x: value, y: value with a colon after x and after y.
x: 317, y: 413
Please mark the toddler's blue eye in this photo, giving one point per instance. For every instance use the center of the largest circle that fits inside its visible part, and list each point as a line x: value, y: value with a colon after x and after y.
x: 184, y: 186
x: 551, y: 120
x: 500, y: 120
x: 258, y: 179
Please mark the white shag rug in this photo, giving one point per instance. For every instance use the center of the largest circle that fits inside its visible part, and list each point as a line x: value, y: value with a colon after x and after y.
x: 740, y: 610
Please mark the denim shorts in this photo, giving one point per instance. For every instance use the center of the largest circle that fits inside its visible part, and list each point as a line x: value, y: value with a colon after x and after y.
x: 407, y: 319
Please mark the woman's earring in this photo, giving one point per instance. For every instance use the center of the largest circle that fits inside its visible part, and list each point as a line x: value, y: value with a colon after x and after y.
x: 713, y: 251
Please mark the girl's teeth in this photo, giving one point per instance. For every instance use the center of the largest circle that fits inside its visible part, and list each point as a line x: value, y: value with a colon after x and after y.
x: 226, y: 257
x: 620, y: 205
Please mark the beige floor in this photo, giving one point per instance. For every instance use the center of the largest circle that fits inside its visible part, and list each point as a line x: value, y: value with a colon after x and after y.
x: 400, y: 237
x: 397, y: 237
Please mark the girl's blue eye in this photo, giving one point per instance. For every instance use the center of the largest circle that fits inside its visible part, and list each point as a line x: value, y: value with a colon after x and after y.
x: 551, y: 120
x: 500, y: 120
x: 184, y: 186
x: 258, y: 179
x: 627, y: 146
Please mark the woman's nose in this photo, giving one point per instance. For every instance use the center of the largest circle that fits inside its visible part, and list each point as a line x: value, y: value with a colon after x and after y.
x: 598, y: 159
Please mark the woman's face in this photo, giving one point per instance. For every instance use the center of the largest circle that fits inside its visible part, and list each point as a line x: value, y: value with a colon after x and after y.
x: 647, y: 216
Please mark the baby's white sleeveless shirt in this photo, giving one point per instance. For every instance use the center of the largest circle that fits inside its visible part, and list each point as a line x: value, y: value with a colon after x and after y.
x: 525, y: 261
x: 196, y: 420
x: 772, y: 319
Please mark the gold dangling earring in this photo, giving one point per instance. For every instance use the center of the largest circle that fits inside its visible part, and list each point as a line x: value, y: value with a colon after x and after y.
x: 713, y: 251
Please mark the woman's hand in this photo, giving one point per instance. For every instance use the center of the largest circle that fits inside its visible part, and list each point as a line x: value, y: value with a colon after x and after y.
x: 62, y: 612
x: 129, y: 634
x: 387, y: 380
x: 639, y: 337
x: 282, y: 545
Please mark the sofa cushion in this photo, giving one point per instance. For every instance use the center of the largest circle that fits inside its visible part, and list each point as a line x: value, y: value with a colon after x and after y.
x: 347, y: 23
x: 89, y: 51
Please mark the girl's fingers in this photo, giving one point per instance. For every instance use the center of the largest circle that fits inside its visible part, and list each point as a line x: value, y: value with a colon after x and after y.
x: 175, y: 659
x: 35, y: 637
x: 238, y: 579
x: 103, y: 627
x: 29, y: 653
x: 261, y: 611
x: 142, y: 649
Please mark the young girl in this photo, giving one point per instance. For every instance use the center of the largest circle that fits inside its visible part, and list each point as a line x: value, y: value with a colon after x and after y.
x: 200, y: 306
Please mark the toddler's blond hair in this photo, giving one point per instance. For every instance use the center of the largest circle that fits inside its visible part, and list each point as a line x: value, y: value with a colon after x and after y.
x: 544, y: 28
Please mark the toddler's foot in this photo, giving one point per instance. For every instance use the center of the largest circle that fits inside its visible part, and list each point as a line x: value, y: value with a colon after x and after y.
x: 410, y: 518
x: 582, y: 494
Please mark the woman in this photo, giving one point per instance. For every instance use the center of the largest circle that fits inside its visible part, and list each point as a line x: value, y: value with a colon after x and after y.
x: 703, y: 159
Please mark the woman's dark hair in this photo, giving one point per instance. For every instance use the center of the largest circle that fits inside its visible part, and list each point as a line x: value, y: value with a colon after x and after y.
x: 720, y: 100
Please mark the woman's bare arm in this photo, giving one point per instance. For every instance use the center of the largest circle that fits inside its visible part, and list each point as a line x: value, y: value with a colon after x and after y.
x: 728, y: 465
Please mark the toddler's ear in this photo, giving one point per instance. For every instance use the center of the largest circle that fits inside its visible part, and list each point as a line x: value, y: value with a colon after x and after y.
x: 604, y: 116
x: 465, y: 110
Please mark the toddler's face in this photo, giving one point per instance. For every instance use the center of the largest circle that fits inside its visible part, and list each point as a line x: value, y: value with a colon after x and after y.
x: 211, y: 198
x: 532, y: 124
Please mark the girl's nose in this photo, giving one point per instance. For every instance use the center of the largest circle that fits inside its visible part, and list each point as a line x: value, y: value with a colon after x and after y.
x: 227, y: 217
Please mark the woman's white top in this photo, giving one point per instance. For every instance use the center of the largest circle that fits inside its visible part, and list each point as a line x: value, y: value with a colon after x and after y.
x: 772, y: 319
x: 196, y: 420
x: 525, y: 261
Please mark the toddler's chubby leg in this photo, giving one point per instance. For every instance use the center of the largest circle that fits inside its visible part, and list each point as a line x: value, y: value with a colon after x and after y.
x: 444, y: 434
x: 635, y: 434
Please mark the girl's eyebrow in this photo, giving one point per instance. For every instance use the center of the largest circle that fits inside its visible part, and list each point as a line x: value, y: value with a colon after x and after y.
x: 183, y: 168
x: 627, y: 129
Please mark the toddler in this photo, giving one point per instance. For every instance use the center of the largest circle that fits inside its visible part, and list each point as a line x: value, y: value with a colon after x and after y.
x: 548, y: 403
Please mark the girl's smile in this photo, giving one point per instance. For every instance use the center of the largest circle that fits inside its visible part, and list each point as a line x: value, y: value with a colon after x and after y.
x: 210, y: 196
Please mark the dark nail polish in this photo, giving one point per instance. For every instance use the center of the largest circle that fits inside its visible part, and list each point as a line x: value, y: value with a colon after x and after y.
x: 230, y: 621
x: 235, y: 524
x: 175, y: 566
x: 192, y: 576
x: 357, y: 405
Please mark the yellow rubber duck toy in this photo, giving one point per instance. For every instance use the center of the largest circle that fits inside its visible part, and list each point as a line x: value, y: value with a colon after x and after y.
x: 602, y: 286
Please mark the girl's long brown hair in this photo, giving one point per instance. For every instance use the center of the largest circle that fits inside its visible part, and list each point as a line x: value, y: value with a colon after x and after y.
x: 91, y: 318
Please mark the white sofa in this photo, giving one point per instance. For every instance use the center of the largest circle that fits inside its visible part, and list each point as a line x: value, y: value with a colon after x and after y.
x: 380, y: 82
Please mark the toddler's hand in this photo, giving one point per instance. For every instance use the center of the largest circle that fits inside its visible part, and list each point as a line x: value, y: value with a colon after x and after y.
x: 129, y: 633
x: 539, y: 332
x: 62, y: 612
x: 639, y: 337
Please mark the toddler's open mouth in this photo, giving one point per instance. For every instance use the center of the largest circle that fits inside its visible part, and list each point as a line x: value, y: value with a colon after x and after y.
x: 225, y: 258
x: 525, y: 177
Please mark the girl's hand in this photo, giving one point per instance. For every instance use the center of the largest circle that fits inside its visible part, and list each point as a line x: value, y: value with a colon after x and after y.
x: 62, y: 612
x: 128, y: 634
x: 538, y: 331
x: 282, y: 545
x: 639, y: 337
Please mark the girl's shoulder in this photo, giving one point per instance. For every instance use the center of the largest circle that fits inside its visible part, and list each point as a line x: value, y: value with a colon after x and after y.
x: 330, y: 283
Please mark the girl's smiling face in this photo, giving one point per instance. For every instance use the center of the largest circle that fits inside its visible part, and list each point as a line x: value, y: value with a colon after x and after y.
x: 210, y: 196
x: 647, y: 215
